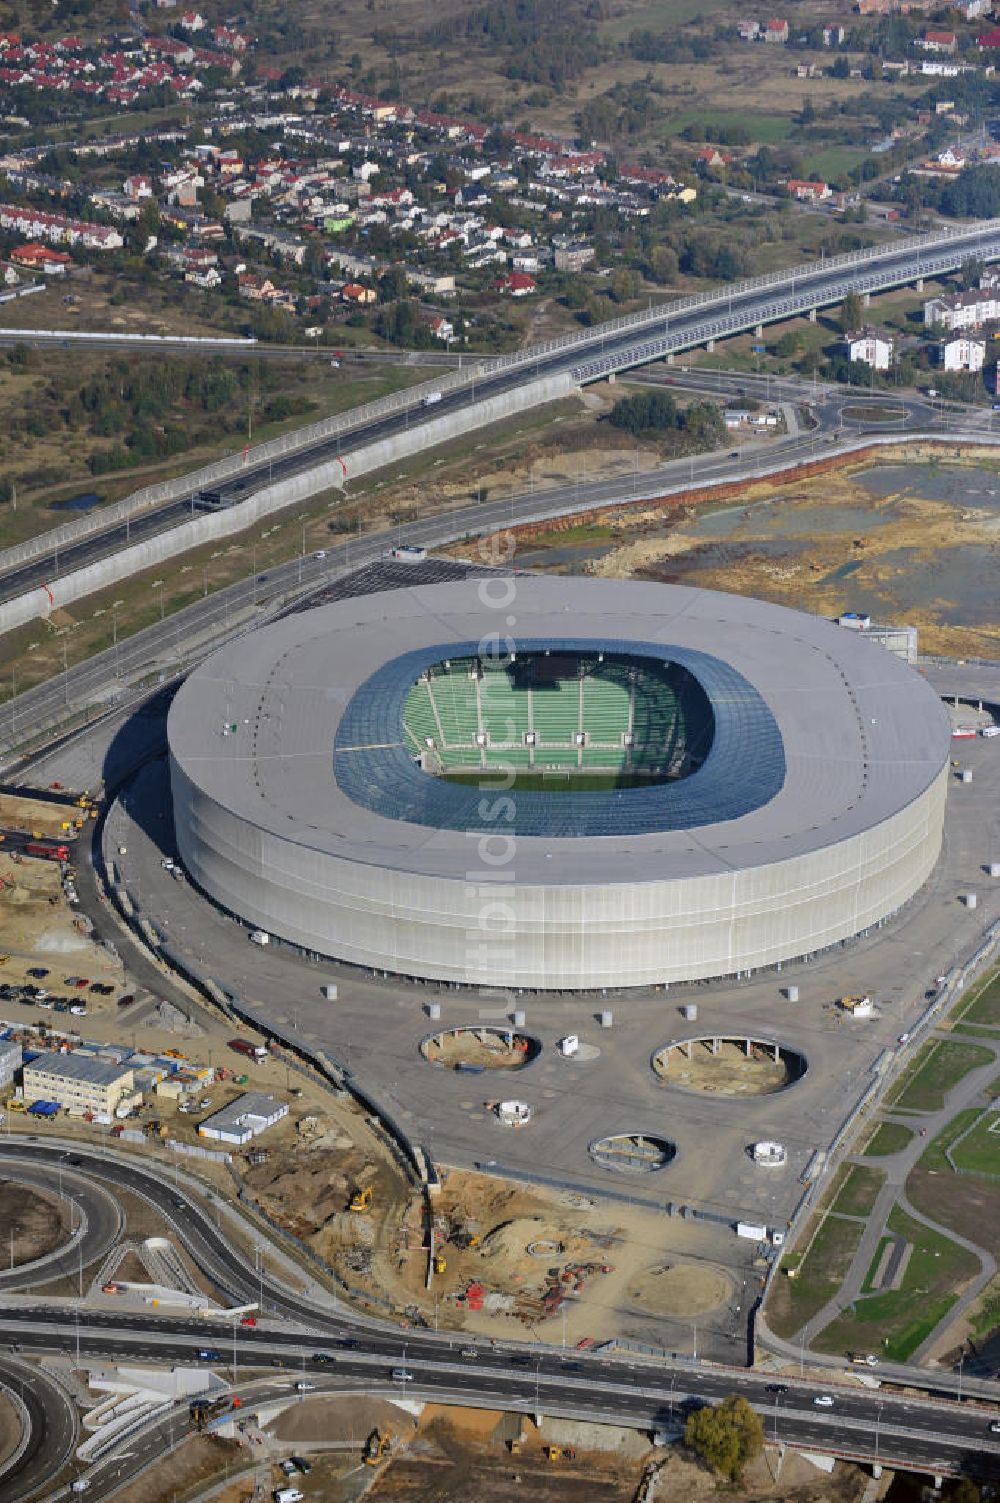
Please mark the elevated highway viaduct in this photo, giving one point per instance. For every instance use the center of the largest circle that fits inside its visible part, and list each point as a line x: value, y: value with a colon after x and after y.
x: 325, y: 454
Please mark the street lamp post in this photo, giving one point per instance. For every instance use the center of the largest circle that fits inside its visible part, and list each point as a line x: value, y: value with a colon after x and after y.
x: 158, y: 585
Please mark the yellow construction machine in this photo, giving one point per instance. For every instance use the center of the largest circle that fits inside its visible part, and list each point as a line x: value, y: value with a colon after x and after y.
x: 559, y: 1453
x: 377, y: 1446
x: 361, y: 1199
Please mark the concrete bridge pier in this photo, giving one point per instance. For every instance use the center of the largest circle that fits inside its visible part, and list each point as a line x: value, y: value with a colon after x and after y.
x: 710, y: 345
x: 812, y: 315
x: 670, y: 358
x: 866, y: 300
x: 759, y: 330
x: 919, y: 284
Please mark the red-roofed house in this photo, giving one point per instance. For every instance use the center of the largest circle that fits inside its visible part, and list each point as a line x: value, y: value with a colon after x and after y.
x: 516, y: 284
x: 776, y: 31
x: 193, y: 20
x: 937, y: 41
x: 990, y: 38
x: 41, y: 258
x: 808, y: 192
x: 137, y: 186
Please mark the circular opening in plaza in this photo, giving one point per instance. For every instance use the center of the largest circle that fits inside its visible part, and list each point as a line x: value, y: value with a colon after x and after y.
x: 633, y: 1153
x: 606, y: 786
x: 474, y: 1048
x: 733, y: 1066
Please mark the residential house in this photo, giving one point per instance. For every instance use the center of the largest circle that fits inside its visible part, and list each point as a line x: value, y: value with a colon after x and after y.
x: 833, y: 36
x: 516, y: 284
x: 937, y: 41
x: 357, y: 294
x: 809, y: 192
x: 442, y: 328
x: 571, y: 255
x: 776, y: 31
x: 870, y: 347
x: 749, y: 31
x: 137, y: 186
x: 962, y: 354
x: 43, y: 259
x: 961, y: 310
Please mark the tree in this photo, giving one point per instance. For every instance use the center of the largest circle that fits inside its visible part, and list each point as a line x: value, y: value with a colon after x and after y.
x: 727, y: 1437
x: 852, y: 313
x: 663, y: 263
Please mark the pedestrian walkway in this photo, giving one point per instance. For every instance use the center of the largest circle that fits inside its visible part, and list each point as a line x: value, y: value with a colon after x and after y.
x: 925, y: 1126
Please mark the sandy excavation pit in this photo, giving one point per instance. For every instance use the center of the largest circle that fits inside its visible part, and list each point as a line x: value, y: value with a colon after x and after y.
x: 474, y: 1049
x: 680, y: 1289
x: 728, y: 1067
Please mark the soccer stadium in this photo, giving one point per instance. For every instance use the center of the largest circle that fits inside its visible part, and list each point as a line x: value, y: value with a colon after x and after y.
x: 558, y: 784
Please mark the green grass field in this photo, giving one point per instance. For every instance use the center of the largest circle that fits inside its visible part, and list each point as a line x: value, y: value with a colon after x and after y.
x: 983, y: 1004
x: 869, y: 1278
x: 985, y: 1316
x: 897, y: 1321
x: 888, y: 1137
x: 937, y: 1068
x: 858, y: 1190
x: 763, y: 130
x: 793, y: 1301
x: 833, y: 163
x: 657, y: 16
x: 979, y: 1153
x: 933, y: 1156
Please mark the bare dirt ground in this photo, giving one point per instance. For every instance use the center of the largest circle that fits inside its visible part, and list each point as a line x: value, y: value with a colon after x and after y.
x: 10, y: 1428
x: 681, y: 1289
x: 344, y: 1418
x: 33, y: 1223
x: 730, y: 1072
x: 38, y: 926
x: 32, y: 814
x: 190, y: 1466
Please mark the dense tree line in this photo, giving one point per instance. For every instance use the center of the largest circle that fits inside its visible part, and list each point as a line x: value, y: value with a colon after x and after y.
x: 153, y: 408
x: 656, y: 414
x: 539, y: 41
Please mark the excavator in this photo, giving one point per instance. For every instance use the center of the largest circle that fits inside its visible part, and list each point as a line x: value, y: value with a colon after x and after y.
x: 361, y: 1199
x: 377, y: 1446
x: 559, y: 1453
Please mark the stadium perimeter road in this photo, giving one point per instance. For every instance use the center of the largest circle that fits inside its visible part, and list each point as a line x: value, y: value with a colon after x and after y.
x: 376, y: 1026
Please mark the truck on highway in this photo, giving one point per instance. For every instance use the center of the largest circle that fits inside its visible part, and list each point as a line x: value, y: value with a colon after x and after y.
x: 409, y: 553
x: 251, y: 1051
x: 432, y: 398
x: 259, y: 937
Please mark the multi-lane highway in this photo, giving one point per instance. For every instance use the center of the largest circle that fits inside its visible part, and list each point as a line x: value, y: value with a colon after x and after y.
x: 590, y: 355
x: 318, y: 1337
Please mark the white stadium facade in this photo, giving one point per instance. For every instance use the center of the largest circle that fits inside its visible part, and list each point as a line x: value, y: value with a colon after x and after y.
x: 558, y: 784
